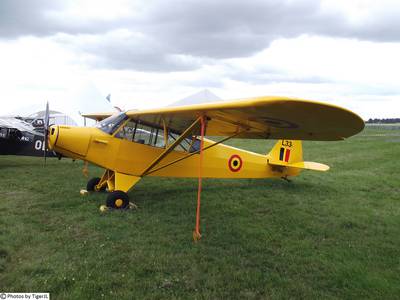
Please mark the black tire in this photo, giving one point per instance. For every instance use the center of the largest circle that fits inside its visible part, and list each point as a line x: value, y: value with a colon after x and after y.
x: 118, y: 200
x: 91, y: 185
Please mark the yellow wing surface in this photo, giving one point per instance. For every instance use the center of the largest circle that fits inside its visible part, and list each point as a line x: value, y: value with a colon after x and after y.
x: 98, y: 116
x: 261, y: 117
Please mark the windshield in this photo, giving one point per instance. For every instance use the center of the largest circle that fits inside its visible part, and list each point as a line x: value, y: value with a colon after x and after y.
x: 110, y: 124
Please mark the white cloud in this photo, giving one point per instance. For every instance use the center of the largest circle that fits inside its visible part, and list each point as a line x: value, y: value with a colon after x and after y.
x: 149, y: 54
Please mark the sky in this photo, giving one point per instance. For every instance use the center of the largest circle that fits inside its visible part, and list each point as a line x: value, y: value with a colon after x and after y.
x: 151, y: 53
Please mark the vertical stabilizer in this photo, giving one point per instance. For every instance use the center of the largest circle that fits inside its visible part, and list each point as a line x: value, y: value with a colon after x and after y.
x: 286, y: 152
x: 289, y: 153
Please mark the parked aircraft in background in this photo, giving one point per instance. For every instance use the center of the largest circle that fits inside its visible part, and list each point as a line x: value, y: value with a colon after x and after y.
x: 25, y: 135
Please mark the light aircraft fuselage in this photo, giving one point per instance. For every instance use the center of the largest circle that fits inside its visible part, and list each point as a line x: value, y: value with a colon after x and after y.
x: 170, y: 142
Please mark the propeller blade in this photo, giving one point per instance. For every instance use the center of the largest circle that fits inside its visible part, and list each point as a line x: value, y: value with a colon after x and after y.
x: 46, y: 131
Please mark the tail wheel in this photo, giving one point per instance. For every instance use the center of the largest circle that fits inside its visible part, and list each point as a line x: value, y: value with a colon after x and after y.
x: 92, y: 183
x: 118, y: 200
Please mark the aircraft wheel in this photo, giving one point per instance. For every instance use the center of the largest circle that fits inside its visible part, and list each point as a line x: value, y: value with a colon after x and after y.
x: 91, y: 185
x: 118, y: 200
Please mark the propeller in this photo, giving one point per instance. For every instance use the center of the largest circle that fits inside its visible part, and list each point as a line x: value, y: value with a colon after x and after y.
x: 46, y: 131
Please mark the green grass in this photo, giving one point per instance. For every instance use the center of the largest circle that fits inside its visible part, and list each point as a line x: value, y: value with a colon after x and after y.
x: 333, y: 235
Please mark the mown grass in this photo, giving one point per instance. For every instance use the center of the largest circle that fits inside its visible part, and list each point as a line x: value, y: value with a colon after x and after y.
x: 333, y: 235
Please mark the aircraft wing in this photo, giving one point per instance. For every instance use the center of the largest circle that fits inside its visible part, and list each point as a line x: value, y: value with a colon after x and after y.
x: 98, y: 116
x: 261, y: 118
x: 11, y: 122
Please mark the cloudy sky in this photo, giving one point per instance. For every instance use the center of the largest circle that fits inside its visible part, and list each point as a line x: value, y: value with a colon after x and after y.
x: 151, y: 53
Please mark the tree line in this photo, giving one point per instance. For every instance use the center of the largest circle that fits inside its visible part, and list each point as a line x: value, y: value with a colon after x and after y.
x: 383, y: 121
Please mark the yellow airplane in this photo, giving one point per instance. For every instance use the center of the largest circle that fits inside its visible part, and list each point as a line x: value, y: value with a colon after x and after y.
x: 170, y: 141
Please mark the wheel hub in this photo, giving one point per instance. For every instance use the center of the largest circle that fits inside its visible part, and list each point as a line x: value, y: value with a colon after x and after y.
x: 119, y: 202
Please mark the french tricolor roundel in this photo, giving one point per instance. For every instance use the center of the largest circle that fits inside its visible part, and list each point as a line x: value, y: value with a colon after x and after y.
x: 284, y: 154
x: 235, y: 163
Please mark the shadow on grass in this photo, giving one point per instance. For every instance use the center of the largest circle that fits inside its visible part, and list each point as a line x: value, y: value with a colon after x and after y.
x: 150, y: 191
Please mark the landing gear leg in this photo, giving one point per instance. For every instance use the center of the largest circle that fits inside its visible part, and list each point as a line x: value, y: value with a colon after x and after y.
x: 93, y: 185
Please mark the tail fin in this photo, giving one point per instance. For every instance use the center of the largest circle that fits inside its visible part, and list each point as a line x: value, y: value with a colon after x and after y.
x: 289, y: 153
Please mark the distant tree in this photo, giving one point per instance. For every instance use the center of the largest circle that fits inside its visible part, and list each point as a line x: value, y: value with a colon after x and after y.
x: 383, y: 121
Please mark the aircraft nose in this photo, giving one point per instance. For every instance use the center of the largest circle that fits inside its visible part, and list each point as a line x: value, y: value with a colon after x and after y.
x: 53, y: 135
x: 70, y: 141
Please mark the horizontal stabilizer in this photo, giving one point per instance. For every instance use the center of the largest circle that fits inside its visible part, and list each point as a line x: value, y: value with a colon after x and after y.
x: 309, y: 165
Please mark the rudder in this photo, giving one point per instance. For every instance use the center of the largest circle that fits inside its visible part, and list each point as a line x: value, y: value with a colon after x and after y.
x: 289, y: 153
x: 286, y: 152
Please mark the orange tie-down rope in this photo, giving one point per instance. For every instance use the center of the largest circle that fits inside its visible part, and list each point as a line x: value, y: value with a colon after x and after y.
x: 85, y: 169
x: 196, y: 232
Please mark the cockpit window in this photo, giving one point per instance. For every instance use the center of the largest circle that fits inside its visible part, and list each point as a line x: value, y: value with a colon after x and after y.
x: 153, y: 134
x: 111, y: 124
x: 138, y: 132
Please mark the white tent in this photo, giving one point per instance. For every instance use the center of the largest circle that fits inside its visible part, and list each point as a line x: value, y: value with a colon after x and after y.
x: 83, y: 99
x: 204, y: 96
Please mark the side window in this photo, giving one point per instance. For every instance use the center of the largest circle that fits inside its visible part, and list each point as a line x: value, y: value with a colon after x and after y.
x: 143, y: 134
x: 137, y: 132
x: 190, y: 144
x: 127, y: 131
x: 194, y: 144
x: 172, y: 137
x: 159, y: 138
x: 134, y: 131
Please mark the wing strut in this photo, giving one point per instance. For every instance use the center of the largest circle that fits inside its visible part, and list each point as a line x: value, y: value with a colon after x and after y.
x: 171, y: 147
x: 196, y: 232
x: 193, y: 153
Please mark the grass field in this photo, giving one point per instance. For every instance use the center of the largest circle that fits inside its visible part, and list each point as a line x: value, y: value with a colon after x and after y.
x: 333, y: 235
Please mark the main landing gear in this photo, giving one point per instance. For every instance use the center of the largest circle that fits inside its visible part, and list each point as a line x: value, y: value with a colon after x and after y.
x: 116, y: 184
x: 116, y: 199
